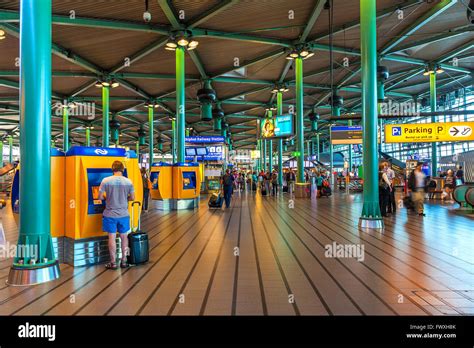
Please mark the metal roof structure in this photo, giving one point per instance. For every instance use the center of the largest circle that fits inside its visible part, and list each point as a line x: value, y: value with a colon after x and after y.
x: 242, y: 50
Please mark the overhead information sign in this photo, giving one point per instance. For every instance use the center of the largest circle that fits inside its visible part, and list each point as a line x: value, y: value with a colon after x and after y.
x: 205, y: 140
x: 280, y: 126
x: 346, y: 135
x: 429, y: 132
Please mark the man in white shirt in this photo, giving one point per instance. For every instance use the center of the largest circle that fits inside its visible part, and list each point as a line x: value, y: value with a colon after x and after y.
x: 416, y: 183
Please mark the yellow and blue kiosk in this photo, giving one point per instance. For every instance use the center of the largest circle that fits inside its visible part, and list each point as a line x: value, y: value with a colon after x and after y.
x: 161, y: 177
x: 84, y: 242
x: 186, y: 185
x: 176, y: 186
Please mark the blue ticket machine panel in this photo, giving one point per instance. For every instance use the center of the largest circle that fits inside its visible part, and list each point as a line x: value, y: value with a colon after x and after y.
x: 94, y: 178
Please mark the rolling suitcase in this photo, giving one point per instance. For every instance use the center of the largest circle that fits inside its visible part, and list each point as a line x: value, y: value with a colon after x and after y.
x: 138, y: 243
x: 215, y: 201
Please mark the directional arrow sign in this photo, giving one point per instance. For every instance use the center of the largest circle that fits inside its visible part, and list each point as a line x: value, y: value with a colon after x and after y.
x: 454, y: 131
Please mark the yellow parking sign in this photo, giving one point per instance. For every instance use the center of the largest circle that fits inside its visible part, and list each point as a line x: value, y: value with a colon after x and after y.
x: 429, y: 132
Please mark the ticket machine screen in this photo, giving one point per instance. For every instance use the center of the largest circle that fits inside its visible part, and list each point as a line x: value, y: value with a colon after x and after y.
x: 189, y: 180
x: 154, y: 180
x: 94, y: 178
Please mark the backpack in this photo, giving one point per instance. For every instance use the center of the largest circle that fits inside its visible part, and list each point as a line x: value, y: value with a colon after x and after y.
x: 227, y: 180
x: 326, y: 183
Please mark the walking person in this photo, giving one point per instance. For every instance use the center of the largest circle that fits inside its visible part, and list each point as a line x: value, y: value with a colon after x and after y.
x: 290, y: 179
x: 319, y: 184
x: 449, y: 185
x: 384, y: 189
x: 146, y: 188
x: 417, y: 184
x: 117, y: 191
x: 268, y: 180
x: 392, y: 206
x: 274, y: 183
x: 227, y: 183
x: 460, y: 175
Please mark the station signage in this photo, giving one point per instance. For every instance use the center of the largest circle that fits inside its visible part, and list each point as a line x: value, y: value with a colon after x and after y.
x: 208, y: 153
x: 346, y: 135
x: 429, y: 132
x: 205, y: 140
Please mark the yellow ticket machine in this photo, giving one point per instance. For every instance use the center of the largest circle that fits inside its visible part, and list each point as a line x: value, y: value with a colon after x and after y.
x: 85, y: 243
x: 186, y: 185
x: 161, y: 177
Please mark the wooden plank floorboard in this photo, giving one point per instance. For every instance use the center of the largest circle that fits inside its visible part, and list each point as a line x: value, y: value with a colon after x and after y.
x: 254, y: 258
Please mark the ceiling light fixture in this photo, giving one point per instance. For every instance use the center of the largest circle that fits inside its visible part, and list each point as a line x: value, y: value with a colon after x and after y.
x: 182, y: 39
x: 300, y: 51
x: 2, y: 34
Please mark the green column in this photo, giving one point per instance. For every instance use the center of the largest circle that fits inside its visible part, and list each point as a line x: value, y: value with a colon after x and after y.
x: 137, y: 148
x: 317, y: 146
x: 299, y: 119
x: 173, y: 140
x: 39, y: 265
x: 105, y: 116
x: 1, y: 153
x: 65, y: 126
x: 264, y: 155
x: 434, y: 145
x: 88, y: 136
x: 350, y: 149
x: 270, y: 146
x: 259, y: 144
x: 180, y: 105
x: 280, y: 141
x: 370, y: 217
x: 10, y: 148
x: 336, y: 111
x: 150, y: 135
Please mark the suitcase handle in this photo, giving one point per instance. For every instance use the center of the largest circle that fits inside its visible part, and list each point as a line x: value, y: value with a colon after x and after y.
x: 133, y: 219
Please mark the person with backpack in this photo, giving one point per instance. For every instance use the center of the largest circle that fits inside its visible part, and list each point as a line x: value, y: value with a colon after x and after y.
x: 385, y: 189
x: 417, y: 184
x: 227, y: 183
x: 274, y: 183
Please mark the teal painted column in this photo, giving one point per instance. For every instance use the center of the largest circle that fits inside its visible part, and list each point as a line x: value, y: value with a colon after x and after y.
x: 105, y: 116
x: 336, y: 111
x: 173, y: 140
x: 1, y: 152
x: 280, y: 141
x: 350, y: 149
x: 264, y: 155
x: 150, y: 135
x: 261, y: 154
x: 35, y: 261
x: 317, y: 146
x: 10, y: 148
x: 88, y: 136
x: 180, y: 104
x: 299, y: 119
x: 137, y: 148
x: 370, y: 217
x: 434, y: 145
x: 65, y: 126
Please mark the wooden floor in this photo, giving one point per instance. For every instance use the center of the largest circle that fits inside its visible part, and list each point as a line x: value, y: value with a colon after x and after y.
x: 262, y: 257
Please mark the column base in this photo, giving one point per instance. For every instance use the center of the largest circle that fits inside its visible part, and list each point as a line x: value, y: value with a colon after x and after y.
x: 367, y: 224
x: 302, y: 190
x: 25, y: 276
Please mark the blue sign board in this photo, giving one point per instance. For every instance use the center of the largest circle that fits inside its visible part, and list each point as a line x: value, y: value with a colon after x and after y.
x: 346, y: 128
x: 214, y: 153
x: 205, y: 140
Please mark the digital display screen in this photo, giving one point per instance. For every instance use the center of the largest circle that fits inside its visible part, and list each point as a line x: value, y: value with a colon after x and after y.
x: 189, y: 180
x: 154, y: 176
x: 280, y: 126
x: 201, y: 151
x: 190, y: 151
x: 94, y: 178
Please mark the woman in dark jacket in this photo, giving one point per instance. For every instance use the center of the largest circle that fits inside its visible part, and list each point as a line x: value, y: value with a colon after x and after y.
x: 146, y: 189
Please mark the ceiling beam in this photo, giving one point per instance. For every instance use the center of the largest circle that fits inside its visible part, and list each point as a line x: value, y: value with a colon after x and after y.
x: 213, y: 11
x: 435, y: 11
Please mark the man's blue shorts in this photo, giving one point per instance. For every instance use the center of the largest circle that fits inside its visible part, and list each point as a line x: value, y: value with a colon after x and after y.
x: 114, y: 225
